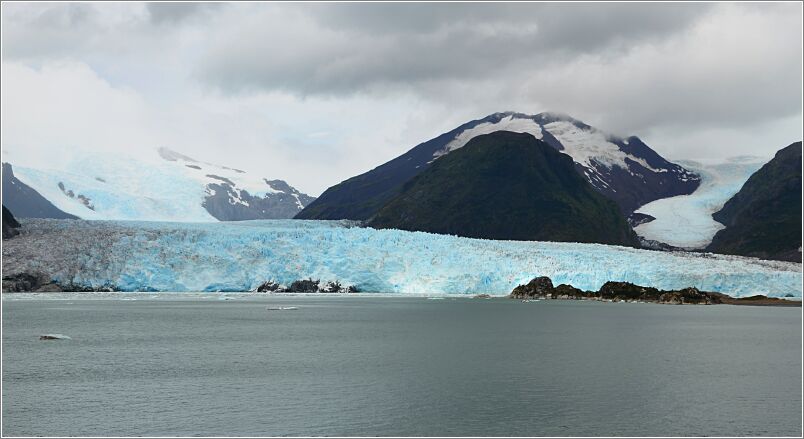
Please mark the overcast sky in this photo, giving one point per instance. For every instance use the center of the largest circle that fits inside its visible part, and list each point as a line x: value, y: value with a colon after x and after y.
x: 316, y: 93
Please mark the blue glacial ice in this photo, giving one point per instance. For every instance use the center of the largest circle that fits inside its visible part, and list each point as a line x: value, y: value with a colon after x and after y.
x: 150, y: 256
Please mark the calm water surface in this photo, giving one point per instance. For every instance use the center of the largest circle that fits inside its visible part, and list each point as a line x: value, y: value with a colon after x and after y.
x: 191, y: 365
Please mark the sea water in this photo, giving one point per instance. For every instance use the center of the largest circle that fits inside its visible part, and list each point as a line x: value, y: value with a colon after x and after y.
x: 359, y: 366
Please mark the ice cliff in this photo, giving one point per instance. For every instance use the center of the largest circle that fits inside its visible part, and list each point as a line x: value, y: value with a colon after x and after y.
x: 149, y: 256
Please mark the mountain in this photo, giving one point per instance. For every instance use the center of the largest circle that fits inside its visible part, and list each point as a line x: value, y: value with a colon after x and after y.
x: 506, y: 185
x: 764, y: 218
x: 623, y: 169
x: 25, y: 201
x: 163, y: 185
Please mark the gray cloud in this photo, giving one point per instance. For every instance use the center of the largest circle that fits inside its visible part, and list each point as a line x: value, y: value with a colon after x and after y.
x: 320, y: 92
x: 175, y: 12
x: 346, y: 48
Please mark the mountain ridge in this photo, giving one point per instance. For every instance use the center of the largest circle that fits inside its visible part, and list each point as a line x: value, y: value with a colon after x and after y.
x: 625, y: 170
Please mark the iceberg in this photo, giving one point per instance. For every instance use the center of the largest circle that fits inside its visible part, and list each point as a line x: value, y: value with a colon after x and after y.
x: 239, y: 256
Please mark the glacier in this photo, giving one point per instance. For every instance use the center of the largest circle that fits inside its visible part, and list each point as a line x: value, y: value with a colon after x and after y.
x: 152, y: 185
x: 686, y: 220
x: 163, y: 256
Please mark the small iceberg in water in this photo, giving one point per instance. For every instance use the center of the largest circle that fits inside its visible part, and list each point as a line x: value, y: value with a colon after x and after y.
x: 281, y: 308
x: 54, y: 337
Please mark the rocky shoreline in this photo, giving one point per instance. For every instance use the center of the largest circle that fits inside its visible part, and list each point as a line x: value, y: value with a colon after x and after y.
x: 541, y: 288
x: 41, y: 283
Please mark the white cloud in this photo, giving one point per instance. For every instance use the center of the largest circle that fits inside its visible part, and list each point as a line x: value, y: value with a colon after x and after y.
x: 317, y: 93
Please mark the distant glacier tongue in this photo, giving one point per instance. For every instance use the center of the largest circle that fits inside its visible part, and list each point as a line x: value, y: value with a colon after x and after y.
x: 149, y: 256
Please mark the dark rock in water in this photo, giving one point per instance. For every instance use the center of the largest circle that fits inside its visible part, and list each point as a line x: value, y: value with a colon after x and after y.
x: 540, y: 286
x: 26, y: 202
x: 565, y: 291
x: 267, y: 287
x: 625, y: 291
x: 690, y: 295
x: 303, y: 286
x: 617, y: 292
x: 10, y: 224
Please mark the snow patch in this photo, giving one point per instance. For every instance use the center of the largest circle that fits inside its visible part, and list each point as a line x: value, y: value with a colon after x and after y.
x: 588, y: 146
x: 510, y: 123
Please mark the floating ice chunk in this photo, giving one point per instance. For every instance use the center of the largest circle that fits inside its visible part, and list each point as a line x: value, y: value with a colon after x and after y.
x: 54, y: 337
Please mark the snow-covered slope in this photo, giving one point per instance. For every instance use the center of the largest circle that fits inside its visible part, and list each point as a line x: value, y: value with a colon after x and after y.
x: 164, y: 186
x: 239, y: 256
x: 686, y: 221
x: 612, y: 165
x: 625, y: 170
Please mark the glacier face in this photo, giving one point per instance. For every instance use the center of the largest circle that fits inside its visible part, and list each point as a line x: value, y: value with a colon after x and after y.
x: 149, y: 256
x: 686, y: 220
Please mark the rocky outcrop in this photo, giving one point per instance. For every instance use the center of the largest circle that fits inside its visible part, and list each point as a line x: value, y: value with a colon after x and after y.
x: 226, y: 202
x: 538, y: 287
x: 637, y: 218
x: 267, y: 287
x: 542, y: 288
x: 10, y: 224
x: 306, y: 286
x: 83, y: 199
